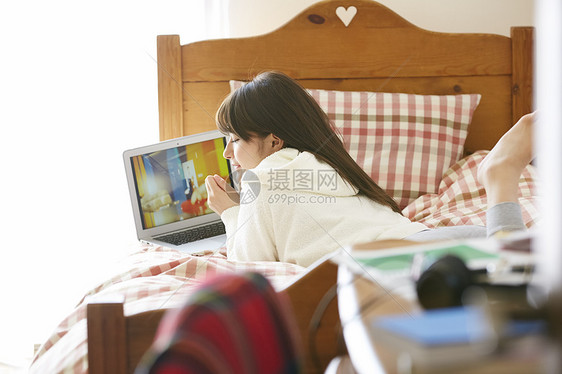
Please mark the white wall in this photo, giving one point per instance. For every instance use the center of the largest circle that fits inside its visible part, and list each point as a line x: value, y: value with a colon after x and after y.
x: 77, y: 87
x: 250, y: 17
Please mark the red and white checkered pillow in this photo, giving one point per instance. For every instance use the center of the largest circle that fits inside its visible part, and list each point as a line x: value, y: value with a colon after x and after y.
x: 404, y: 142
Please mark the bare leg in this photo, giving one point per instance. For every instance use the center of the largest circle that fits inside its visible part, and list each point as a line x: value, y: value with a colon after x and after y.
x: 500, y: 170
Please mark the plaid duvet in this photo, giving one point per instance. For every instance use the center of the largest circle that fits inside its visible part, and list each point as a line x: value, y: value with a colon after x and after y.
x: 156, y: 278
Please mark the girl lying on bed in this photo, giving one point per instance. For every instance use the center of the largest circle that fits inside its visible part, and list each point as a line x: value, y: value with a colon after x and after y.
x: 303, y: 196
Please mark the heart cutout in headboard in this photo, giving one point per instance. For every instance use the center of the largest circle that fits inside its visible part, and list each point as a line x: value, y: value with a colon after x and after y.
x: 346, y: 15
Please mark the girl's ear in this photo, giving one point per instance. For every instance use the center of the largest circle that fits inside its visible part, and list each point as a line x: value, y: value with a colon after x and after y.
x: 276, y: 142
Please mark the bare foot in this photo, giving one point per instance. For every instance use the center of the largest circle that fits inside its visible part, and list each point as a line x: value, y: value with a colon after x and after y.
x: 500, y: 170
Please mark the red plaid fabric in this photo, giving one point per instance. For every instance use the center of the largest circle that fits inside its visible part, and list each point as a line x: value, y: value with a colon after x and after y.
x: 461, y: 200
x: 231, y: 324
x: 404, y: 142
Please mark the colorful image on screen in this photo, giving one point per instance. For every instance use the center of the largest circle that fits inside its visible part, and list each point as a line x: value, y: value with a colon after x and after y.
x: 171, y: 184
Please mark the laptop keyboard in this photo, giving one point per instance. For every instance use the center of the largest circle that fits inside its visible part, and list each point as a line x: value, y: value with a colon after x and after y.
x: 191, y: 235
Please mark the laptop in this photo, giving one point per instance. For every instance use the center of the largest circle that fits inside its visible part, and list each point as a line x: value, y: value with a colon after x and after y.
x: 167, y: 189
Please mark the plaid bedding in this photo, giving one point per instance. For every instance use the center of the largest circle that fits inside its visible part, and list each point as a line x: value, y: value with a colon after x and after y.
x: 156, y: 277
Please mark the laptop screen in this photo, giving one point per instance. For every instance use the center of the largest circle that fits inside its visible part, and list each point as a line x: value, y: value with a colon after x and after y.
x: 170, y: 183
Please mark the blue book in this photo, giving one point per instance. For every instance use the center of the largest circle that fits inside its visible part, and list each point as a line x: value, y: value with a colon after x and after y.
x: 443, y: 336
x: 439, y: 326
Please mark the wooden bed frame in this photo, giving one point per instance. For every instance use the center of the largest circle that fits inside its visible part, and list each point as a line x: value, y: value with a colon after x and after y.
x: 377, y: 51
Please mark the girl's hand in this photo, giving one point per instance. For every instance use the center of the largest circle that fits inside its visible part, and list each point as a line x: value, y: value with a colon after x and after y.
x: 221, y: 195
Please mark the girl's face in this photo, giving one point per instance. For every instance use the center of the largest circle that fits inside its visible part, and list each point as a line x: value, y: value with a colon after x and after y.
x: 247, y: 154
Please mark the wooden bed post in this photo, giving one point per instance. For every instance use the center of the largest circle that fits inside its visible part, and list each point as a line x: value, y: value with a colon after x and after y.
x: 170, y: 105
x: 106, y: 338
x: 522, y: 45
x: 116, y: 343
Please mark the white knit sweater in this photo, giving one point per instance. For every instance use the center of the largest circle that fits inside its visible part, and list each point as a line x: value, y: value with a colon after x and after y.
x: 303, y: 211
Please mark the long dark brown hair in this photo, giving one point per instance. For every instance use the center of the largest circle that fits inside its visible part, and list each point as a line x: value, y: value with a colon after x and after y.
x: 273, y: 103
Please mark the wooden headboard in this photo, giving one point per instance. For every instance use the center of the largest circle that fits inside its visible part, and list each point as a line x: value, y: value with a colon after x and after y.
x: 378, y: 51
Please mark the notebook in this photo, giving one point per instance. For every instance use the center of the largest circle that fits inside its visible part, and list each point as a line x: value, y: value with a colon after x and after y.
x: 167, y: 189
